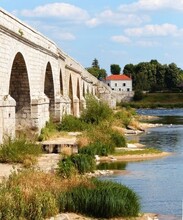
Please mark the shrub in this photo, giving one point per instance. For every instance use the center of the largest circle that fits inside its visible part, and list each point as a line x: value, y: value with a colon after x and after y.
x: 80, y: 163
x: 71, y: 123
x: 83, y: 163
x: 100, y: 133
x: 118, y: 139
x: 30, y: 194
x: 123, y: 117
x: 138, y: 95
x: 102, y: 200
x: 95, y: 111
x: 97, y: 148
x: 18, y: 151
x: 41, y: 205
x: 49, y: 130
x: 66, y: 167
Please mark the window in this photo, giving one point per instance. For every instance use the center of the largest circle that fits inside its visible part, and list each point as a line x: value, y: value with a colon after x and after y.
x: 116, y: 84
x: 119, y: 89
x: 108, y: 84
x: 124, y: 84
x: 128, y: 90
x: 112, y: 88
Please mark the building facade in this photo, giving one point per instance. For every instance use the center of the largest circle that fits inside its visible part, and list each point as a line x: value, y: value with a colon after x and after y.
x: 119, y: 83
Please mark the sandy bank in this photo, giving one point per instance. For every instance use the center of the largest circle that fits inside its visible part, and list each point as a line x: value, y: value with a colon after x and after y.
x: 138, y: 157
x: 73, y: 216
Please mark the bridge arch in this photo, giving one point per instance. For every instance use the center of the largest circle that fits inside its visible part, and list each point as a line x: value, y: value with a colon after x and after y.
x: 19, y: 90
x: 49, y: 88
x: 79, y: 94
x: 84, y: 91
x: 61, y: 83
x: 71, y: 96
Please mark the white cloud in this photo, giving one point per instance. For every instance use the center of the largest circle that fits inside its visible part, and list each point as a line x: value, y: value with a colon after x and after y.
x: 145, y: 43
x: 152, y: 5
x: 155, y: 30
x: 59, y: 10
x: 117, y: 18
x: 120, y: 39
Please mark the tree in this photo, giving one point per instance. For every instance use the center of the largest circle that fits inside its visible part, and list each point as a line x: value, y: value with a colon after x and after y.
x: 96, y: 71
x: 172, y: 76
x: 115, y: 69
x: 95, y: 64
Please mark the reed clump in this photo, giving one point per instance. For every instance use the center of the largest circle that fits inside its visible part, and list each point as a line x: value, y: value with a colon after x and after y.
x: 104, y: 199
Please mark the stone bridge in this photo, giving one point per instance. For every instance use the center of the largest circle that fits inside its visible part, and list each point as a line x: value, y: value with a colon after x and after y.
x: 38, y: 81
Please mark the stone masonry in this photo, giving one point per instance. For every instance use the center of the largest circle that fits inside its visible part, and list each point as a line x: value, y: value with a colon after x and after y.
x: 38, y: 81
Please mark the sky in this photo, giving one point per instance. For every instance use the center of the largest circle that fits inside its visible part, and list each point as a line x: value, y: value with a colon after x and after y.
x: 112, y: 31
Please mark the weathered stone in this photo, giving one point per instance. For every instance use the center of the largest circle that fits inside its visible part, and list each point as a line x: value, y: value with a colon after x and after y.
x: 38, y: 81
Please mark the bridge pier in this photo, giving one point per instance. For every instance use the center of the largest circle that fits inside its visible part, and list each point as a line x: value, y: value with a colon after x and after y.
x: 40, y: 111
x: 76, y: 108
x: 7, y: 117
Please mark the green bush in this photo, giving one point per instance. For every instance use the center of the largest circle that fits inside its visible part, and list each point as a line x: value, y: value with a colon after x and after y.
x: 80, y: 163
x: 83, y: 163
x: 96, y: 111
x: 138, y: 95
x: 66, y: 167
x: 124, y: 117
x: 102, y: 200
x: 47, y: 131
x: 118, y: 139
x: 71, y: 123
x: 18, y: 150
x: 98, y: 148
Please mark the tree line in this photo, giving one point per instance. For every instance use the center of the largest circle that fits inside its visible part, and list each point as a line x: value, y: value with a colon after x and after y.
x: 146, y: 76
x: 154, y: 76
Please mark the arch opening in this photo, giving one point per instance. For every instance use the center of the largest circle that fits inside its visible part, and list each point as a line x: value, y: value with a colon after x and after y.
x: 71, y: 95
x: 19, y: 90
x: 78, y: 95
x: 49, y: 88
x: 84, y: 93
x: 61, y: 83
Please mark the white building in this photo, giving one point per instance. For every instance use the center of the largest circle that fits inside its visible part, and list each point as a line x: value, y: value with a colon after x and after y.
x: 119, y: 83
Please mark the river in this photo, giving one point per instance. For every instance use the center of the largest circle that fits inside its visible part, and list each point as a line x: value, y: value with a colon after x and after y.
x: 159, y: 182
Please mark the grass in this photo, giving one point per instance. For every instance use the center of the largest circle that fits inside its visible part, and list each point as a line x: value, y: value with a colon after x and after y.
x: 137, y: 152
x: 19, y: 151
x: 48, y: 131
x: 157, y: 100
x: 30, y: 194
x: 104, y: 199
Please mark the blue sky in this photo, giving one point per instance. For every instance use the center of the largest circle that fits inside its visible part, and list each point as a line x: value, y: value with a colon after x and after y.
x: 113, y: 31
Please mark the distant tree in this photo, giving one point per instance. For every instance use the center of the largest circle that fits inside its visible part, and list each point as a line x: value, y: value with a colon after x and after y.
x: 129, y: 70
x: 115, y: 69
x: 172, y: 76
x: 95, y: 64
x: 102, y: 74
x: 96, y: 71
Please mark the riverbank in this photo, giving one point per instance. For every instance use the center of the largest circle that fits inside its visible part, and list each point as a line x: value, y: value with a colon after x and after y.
x: 74, y: 216
x: 139, y: 157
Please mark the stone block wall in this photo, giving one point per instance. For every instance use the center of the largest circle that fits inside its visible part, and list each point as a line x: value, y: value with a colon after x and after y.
x: 35, y: 77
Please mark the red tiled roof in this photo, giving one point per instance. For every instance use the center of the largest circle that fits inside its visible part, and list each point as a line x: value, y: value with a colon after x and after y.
x: 118, y: 77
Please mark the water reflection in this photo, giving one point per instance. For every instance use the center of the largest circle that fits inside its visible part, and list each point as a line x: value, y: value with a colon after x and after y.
x: 112, y: 166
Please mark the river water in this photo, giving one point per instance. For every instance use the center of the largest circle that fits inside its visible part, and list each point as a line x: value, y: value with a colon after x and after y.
x: 159, y: 182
